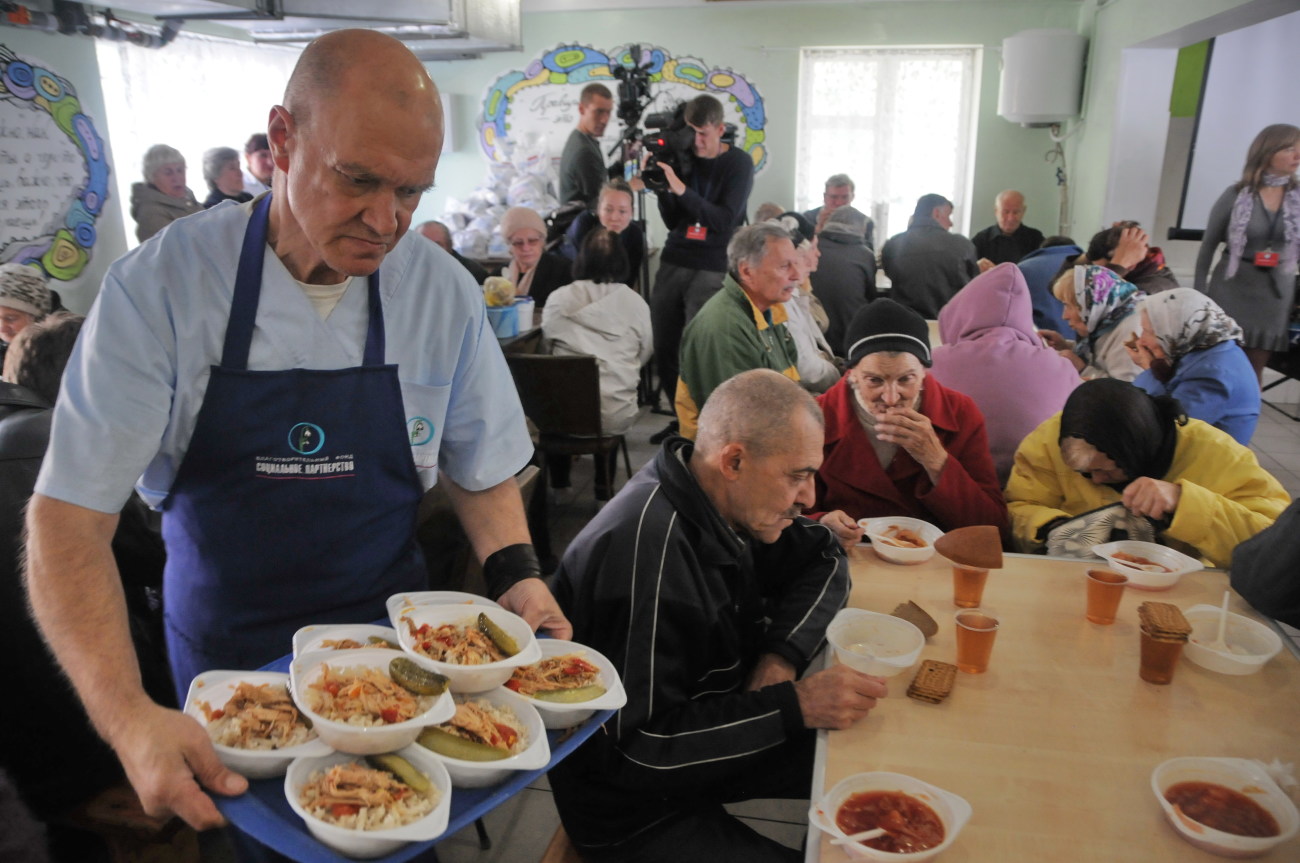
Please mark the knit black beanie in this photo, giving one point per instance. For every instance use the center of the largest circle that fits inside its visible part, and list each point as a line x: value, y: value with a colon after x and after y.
x: 885, y: 325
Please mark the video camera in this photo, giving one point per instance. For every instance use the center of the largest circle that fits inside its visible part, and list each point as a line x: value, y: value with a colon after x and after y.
x: 667, y: 138
x: 669, y: 141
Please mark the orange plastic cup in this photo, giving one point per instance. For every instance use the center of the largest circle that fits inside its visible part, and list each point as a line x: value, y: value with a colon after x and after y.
x: 968, y: 585
x: 1105, y: 589
x: 976, y: 629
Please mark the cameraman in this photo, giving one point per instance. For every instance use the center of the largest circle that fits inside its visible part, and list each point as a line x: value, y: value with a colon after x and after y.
x: 701, y: 214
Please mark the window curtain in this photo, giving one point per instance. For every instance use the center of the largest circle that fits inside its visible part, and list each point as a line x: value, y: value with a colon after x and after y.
x: 196, y: 93
x: 899, y: 121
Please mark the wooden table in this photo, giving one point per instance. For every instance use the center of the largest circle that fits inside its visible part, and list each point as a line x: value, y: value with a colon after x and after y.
x: 1055, y: 744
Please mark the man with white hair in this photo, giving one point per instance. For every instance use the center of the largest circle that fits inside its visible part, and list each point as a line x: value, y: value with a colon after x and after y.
x: 743, y: 326
x: 710, y: 593
x: 1010, y: 239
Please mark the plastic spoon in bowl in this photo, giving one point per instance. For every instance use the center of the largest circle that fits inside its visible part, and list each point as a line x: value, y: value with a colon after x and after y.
x: 859, y: 837
x: 1218, y: 643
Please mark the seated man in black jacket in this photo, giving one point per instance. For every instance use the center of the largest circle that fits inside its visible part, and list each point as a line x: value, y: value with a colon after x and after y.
x: 710, y: 593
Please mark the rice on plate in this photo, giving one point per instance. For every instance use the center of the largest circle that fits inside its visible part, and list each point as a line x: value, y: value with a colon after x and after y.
x: 360, y: 797
x: 255, y: 728
x: 370, y: 700
x: 368, y: 835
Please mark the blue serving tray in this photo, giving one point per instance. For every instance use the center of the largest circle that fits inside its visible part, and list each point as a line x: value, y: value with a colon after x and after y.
x: 263, y: 812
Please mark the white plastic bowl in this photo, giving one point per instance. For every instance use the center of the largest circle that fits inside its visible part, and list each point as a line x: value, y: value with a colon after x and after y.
x: 310, y: 638
x: 557, y: 715
x: 874, y: 643
x: 952, y: 810
x: 480, y: 774
x: 1239, y: 774
x: 216, y: 688
x: 876, y: 527
x: 400, y: 602
x: 363, y: 740
x: 1178, y: 563
x: 372, y: 843
x: 1260, y: 643
x: 470, y: 678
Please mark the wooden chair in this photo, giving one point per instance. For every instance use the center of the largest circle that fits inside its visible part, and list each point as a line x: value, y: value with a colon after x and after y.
x: 561, y: 395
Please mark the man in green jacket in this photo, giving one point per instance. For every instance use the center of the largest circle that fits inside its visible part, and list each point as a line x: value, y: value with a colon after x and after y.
x: 742, y: 326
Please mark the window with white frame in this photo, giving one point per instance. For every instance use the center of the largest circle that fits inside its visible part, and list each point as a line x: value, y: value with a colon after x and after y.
x: 899, y: 121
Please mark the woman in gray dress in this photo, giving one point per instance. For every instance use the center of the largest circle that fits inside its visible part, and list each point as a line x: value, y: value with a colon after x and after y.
x: 1258, y: 219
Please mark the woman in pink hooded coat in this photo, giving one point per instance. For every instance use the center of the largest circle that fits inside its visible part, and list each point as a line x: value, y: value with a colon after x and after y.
x: 991, y: 353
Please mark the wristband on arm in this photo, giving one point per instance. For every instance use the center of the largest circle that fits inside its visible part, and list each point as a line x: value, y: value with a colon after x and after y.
x: 507, y: 566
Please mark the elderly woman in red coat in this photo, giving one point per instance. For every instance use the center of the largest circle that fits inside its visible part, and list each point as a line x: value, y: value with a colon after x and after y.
x: 898, y: 443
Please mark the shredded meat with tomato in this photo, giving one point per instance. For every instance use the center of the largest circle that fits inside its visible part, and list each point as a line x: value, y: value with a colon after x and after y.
x: 484, y: 723
x: 257, y: 717
x: 353, y: 795
x: 461, y: 644
x: 569, y: 671
x: 362, y: 696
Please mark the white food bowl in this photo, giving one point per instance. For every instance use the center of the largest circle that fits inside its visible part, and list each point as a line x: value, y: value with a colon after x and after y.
x: 952, y: 810
x: 357, y: 739
x: 1259, y: 643
x: 399, y: 602
x: 1179, y: 564
x: 372, y: 843
x: 1239, y: 774
x: 216, y: 688
x: 480, y: 774
x: 876, y: 527
x: 566, y: 715
x: 469, y: 678
x: 311, y: 638
x: 874, y: 643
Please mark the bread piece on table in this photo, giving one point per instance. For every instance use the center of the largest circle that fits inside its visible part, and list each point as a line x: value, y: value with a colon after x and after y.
x: 917, y: 616
x: 978, y: 546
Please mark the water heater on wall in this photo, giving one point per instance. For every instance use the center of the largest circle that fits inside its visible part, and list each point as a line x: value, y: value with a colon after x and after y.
x: 1042, y: 77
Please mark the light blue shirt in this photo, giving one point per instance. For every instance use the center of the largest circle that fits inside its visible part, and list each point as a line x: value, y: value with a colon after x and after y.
x: 136, y: 379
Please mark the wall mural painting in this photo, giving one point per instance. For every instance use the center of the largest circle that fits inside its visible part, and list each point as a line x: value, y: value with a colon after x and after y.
x: 53, y: 170
x: 542, y: 99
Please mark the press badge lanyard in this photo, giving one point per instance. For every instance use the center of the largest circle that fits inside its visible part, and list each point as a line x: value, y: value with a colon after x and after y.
x: 1268, y: 257
x: 698, y: 231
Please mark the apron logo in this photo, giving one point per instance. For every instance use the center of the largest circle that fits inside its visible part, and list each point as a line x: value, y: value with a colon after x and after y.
x: 419, y: 430
x: 306, y: 438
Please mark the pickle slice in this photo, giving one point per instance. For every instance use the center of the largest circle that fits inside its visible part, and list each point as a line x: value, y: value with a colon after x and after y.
x: 401, y: 768
x: 412, y: 677
x: 443, y: 743
x: 380, y: 641
x: 497, y: 635
x: 570, y: 696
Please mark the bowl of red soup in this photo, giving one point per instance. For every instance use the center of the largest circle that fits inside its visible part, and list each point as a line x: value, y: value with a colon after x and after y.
x: 920, y: 820
x: 1227, y: 806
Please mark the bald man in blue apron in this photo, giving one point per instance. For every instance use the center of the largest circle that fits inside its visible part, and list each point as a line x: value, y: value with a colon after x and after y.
x: 286, y: 411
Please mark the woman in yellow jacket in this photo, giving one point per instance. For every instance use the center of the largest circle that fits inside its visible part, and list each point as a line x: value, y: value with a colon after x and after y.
x: 1113, y: 444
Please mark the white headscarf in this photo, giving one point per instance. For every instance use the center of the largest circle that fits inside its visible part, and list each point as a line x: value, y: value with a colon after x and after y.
x: 1186, y: 320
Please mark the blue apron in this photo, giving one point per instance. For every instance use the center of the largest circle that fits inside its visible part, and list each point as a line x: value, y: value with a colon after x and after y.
x: 295, y: 502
